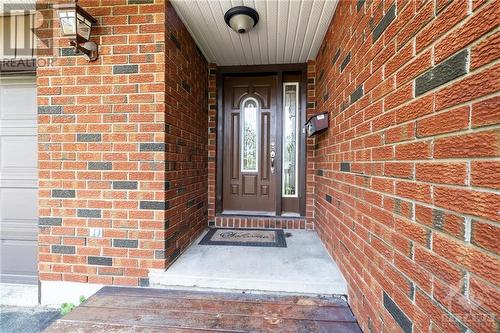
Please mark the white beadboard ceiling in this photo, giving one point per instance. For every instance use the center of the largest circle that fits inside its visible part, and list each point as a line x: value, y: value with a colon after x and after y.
x: 6, y: 6
x: 289, y: 31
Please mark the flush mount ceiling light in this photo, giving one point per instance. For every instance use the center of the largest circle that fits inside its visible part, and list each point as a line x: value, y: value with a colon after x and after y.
x: 241, y: 19
x: 77, y: 23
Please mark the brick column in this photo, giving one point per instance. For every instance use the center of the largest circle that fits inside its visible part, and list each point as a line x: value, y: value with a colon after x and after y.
x: 212, y: 141
x: 310, y: 144
x: 122, y: 147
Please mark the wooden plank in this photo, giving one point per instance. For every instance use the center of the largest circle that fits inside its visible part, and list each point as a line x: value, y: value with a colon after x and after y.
x: 198, y: 321
x: 240, y: 297
x: 123, y: 309
x: 290, y: 311
x: 63, y: 326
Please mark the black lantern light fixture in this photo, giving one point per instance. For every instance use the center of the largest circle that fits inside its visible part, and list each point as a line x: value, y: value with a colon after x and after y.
x: 241, y: 18
x: 77, y: 23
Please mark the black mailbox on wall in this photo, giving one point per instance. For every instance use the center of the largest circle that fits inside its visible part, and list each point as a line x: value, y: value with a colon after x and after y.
x: 317, y: 124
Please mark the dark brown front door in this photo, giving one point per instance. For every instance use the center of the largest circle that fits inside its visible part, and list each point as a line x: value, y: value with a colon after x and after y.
x: 249, y: 170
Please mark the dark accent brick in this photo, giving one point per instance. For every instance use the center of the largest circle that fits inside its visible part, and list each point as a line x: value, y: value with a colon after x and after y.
x: 57, y: 221
x: 186, y: 86
x: 346, y: 61
x: 154, y: 205
x: 411, y: 291
x: 63, y: 193
x: 101, y: 261
x: 200, y: 205
x: 357, y: 94
x: 190, y: 202
x: 345, y: 166
x: 63, y: 249
x: 212, y: 71
x: 139, y: 2
x: 311, y: 105
x: 344, y: 105
x: 438, y: 219
x: 124, y: 185
x: 389, y: 16
x: 319, y: 172
x: 428, y: 239
x: 87, y: 137
x: 175, y: 254
x: 336, y: 57
x: 446, y: 71
x: 359, y: 4
x: 397, y: 206
x: 49, y: 109
x: 399, y: 316
x: 328, y: 198
x: 143, y: 282
x: 152, y: 147
x: 167, y: 185
x: 128, y: 243
x: 99, y: 166
x: 326, y: 95
x: 68, y: 52
x: 89, y: 213
x: 175, y: 41
x: 345, y: 247
x: 211, y: 223
x: 125, y: 69
x: 321, y: 73
x: 159, y: 254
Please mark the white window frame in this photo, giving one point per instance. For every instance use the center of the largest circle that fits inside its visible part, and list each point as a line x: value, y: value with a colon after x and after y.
x: 297, y: 138
x: 242, y: 131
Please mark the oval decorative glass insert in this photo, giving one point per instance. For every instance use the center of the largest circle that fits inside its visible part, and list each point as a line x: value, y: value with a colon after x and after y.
x: 250, y: 136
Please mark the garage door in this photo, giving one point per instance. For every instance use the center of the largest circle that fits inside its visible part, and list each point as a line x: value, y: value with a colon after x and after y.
x: 18, y: 180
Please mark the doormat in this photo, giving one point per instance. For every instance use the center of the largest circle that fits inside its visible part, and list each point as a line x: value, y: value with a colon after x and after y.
x: 245, y: 237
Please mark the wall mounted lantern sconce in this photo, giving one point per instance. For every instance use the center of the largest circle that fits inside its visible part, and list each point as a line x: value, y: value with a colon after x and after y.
x: 77, y: 23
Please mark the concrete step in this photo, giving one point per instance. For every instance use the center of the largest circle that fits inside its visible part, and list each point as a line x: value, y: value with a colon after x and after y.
x: 303, y: 267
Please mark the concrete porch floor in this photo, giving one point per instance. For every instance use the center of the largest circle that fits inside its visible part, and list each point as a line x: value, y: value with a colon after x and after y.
x: 303, y: 267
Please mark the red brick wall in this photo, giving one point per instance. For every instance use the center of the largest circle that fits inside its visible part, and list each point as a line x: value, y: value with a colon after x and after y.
x: 122, y: 147
x: 186, y: 79
x: 407, y: 176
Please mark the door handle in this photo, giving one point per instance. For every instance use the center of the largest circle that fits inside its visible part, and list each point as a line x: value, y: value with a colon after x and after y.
x: 273, y: 154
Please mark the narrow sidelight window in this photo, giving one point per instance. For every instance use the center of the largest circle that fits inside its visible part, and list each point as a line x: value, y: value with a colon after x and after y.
x: 250, y: 136
x: 290, y: 138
